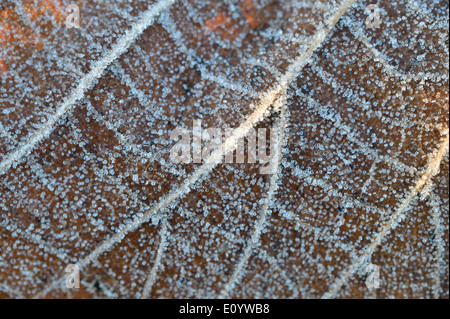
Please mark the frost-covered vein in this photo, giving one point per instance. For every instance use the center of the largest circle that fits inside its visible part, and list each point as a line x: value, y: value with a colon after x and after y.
x: 123, y: 139
x: 163, y: 234
x: 230, y: 144
x: 55, y: 283
x: 379, y: 57
x: 350, y: 96
x: 39, y: 173
x: 62, y: 255
x: 396, y: 218
x: 20, y: 9
x: 176, y: 35
x: 35, y: 239
x: 310, y: 5
x: 108, y: 291
x: 126, y: 192
x: 372, y: 171
x: 352, y: 136
x: 265, y: 213
x: 5, y: 134
x: 438, y: 242
x: 321, y: 233
x: 25, y: 17
x: 426, y: 15
x: 206, y: 75
x: 125, y: 79
x: 276, y: 267
x: 11, y: 291
x: 308, y: 177
x: 86, y: 83
x: 255, y: 62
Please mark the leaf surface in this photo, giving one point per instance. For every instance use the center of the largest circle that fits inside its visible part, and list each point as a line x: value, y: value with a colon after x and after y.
x: 361, y: 164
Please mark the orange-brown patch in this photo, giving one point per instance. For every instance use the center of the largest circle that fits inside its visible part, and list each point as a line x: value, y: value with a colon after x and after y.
x: 14, y: 32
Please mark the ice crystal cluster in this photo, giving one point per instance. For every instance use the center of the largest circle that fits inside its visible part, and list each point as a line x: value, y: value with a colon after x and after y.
x: 361, y: 170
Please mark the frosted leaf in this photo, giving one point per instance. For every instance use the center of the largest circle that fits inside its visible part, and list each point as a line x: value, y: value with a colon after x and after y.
x: 361, y: 163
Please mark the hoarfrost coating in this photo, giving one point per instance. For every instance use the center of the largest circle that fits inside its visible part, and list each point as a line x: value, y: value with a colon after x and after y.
x: 360, y: 167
